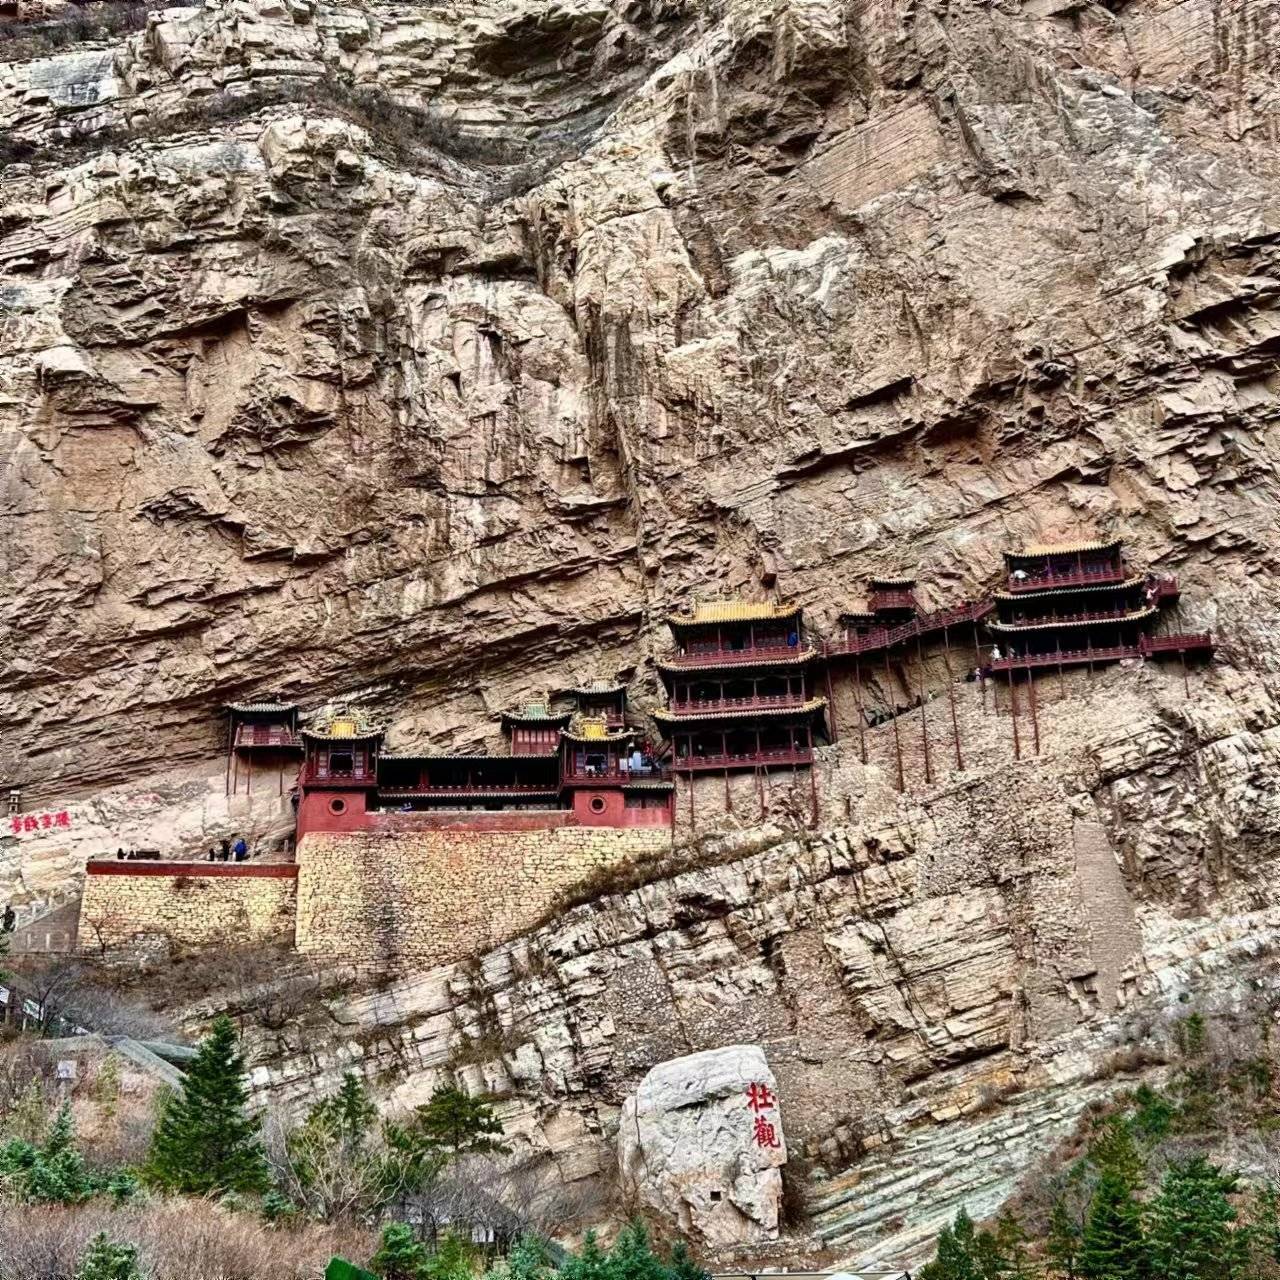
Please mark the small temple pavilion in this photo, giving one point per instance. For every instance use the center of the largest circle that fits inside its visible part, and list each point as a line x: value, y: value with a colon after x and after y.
x: 603, y: 700
x: 340, y: 768
x: 263, y: 743
x: 740, y: 687
x: 1081, y: 603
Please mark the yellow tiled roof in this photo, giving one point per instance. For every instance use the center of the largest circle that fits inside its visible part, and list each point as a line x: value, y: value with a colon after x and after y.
x: 1065, y: 548
x: 734, y: 611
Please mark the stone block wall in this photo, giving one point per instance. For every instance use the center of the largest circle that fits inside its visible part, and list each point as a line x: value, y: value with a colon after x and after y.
x: 153, y: 904
x: 432, y: 897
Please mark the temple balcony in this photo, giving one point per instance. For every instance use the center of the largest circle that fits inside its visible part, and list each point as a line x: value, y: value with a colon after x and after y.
x: 312, y: 777
x: 1190, y: 642
x: 893, y: 600
x: 764, y: 758
x: 479, y: 791
x: 615, y: 773
x: 1049, y: 620
x: 758, y: 702
x: 265, y: 735
x: 702, y: 656
x: 1088, y: 575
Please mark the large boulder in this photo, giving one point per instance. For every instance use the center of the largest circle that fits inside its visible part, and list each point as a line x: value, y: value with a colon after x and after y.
x: 702, y: 1141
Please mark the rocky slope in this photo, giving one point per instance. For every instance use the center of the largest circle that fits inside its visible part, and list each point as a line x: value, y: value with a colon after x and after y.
x: 426, y: 355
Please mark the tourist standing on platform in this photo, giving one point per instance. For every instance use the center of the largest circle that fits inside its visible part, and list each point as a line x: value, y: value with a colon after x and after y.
x: 225, y: 852
x: 240, y: 849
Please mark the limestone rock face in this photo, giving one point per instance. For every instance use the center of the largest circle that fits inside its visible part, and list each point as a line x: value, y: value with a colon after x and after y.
x: 702, y: 1142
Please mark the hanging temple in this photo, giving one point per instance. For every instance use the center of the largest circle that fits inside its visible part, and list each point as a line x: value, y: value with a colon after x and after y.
x: 747, y: 687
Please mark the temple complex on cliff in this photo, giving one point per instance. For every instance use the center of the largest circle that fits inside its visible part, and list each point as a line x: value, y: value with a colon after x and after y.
x: 744, y: 687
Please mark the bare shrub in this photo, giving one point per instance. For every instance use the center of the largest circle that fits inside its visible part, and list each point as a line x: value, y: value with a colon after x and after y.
x: 82, y: 992
x: 499, y: 1199
x: 176, y: 1239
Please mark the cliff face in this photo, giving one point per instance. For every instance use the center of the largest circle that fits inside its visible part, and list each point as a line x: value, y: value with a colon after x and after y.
x: 427, y: 355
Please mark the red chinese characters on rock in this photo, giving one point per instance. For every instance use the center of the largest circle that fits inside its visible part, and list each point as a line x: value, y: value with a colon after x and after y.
x: 25, y: 824
x: 764, y: 1130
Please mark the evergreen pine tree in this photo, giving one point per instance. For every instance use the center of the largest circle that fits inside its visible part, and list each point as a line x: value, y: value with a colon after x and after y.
x: 399, y: 1256
x: 1113, y: 1150
x: 528, y: 1260
x: 455, y: 1123
x: 56, y: 1174
x: 1264, y: 1230
x: 589, y: 1263
x: 957, y: 1252
x: 106, y: 1260
x: 451, y: 1260
x: 631, y: 1257
x: 1063, y: 1241
x: 205, y: 1142
x: 1113, y: 1245
x: 1193, y: 1236
x: 683, y: 1267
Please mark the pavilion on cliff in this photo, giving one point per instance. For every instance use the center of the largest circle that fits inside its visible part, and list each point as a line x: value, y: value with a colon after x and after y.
x: 262, y: 738
x: 740, y: 688
x: 340, y: 770
x: 1081, y: 604
x: 604, y: 700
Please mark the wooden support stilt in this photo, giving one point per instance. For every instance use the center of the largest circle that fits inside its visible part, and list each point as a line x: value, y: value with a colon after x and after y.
x: 760, y: 791
x: 977, y: 664
x: 248, y: 776
x: 1186, y: 688
x: 1031, y: 697
x: 862, y: 715
x: 951, y: 697
x: 235, y: 773
x: 1062, y: 680
x: 813, y: 792
x: 831, y: 703
x: 693, y: 819
x: 924, y: 719
x: 728, y: 797
x: 227, y: 784
x: 893, y: 715
x: 1013, y: 695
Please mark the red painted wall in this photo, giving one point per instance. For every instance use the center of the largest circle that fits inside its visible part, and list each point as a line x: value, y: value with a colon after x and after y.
x: 245, y: 870
x: 612, y: 811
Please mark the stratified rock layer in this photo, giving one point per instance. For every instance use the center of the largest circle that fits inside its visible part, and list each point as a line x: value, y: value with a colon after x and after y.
x: 426, y: 356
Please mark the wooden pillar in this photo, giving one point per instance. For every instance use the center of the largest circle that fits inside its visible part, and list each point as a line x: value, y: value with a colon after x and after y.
x: 231, y: 749
x: 951, y: 697
x: 693, y: 819
x: 893, y: 714
x: 857, y: 698
x: 759, y: 781
x: 1182, y: 658
x: 813, y: 789
x: 977, y: 662
x: 1031, y: 697
x: 728, y: 797
x: 1013, y: 694
x: 831, y: 702
x: 924, y: 719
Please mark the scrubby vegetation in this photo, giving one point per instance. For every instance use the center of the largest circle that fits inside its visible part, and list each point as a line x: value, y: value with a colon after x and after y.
x: 1149, y: 1186
x: 207, y: 1187
x: 76, y: 24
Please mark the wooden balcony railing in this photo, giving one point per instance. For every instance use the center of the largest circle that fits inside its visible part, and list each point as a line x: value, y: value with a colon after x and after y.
x: 1147, y: 647
x: 261, y: 735
x: 924, y: 624
x: 749, y: 759
x: 475, y: 789
x: 1086, y: 576
x: 1048, y: 620
x: 705, y: 656
x: 655, y: 773
x: 757, y: 702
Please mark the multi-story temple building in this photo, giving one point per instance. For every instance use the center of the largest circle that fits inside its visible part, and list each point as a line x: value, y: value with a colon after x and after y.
x: 1082, y: 604
x: 559, y: 763
x: 741, y: 688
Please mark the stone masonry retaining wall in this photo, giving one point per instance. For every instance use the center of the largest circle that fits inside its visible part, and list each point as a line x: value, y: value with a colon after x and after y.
x: 433, y: 897
x: 140, y: 904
